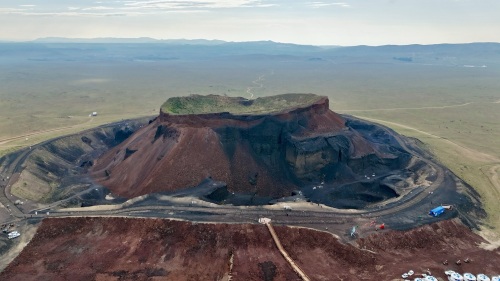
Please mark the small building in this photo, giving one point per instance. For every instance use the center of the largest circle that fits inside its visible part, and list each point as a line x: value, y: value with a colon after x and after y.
x: 437, y: 211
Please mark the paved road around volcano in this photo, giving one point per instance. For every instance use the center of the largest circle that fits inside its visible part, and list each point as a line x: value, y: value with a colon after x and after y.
x: 309, y: 215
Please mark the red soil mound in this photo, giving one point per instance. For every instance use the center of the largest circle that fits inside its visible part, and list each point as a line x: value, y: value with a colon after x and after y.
x: 154, y: 249
x: 147, y: 249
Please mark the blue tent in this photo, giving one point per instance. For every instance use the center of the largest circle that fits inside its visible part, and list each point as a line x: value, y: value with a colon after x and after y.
x: 437, y: 211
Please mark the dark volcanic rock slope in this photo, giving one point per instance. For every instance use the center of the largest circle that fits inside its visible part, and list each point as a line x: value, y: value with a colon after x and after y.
x: 56, y: 169
x: 264, y: 155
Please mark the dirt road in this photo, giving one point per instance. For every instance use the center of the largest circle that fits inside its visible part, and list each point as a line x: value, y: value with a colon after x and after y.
x: 407, y: 108
x: 36, y: 133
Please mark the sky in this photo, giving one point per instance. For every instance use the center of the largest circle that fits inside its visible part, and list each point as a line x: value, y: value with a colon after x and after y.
x: 318, y: 22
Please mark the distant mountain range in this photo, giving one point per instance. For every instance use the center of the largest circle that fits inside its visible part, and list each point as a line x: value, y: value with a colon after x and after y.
x: 149, y: 49
x: 145, y: 40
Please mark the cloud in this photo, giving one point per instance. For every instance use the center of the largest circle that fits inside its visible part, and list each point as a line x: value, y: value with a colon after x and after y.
x: 319, y: 4
x: 187, y: 4
x: 134, y: 7
x: 97, y: 8
x: 10, y: 10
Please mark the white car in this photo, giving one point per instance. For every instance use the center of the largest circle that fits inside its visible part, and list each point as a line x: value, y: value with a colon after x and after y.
x: 14, y: 234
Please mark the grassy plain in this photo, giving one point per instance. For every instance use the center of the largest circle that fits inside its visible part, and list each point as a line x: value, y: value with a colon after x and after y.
x: 454, y: 110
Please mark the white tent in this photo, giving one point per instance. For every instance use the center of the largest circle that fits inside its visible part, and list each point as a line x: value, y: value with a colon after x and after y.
x: 482, y: 277
x: 455, y: 277
x: 469, y: 277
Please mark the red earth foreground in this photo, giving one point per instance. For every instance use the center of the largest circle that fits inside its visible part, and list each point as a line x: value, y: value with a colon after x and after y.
x: 92, y: 248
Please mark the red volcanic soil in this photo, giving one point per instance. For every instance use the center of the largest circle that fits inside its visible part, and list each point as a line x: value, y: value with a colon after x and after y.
x: 155, y: 249
x: 244, y: 151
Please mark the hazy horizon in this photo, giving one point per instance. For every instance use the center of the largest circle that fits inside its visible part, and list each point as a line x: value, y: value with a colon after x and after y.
x: 346, y: 23
x: 104, y: 40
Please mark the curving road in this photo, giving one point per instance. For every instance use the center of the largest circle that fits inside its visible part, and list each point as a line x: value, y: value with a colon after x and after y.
x: 258, y: 83
x: 308, y: 215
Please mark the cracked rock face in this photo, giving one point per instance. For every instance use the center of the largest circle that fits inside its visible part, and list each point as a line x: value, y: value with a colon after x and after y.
x: 264, y: 155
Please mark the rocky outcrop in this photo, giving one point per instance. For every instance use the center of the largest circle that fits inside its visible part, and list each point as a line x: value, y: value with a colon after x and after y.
x: 264, y: 155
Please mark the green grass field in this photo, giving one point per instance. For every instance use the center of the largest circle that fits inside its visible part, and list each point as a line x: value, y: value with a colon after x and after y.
x: 198, y: 104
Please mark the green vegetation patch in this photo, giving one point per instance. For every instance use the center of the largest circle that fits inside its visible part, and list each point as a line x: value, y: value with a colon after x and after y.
x: 198, y: 104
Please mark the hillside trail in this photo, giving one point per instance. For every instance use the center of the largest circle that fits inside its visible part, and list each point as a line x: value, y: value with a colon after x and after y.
x: 495, y: 171
x: 285, y: 255
x: 493, y: 175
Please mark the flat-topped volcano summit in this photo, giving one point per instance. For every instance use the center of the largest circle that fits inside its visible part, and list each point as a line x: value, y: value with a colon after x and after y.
x: 198, y: 104
x: 259, y: 150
